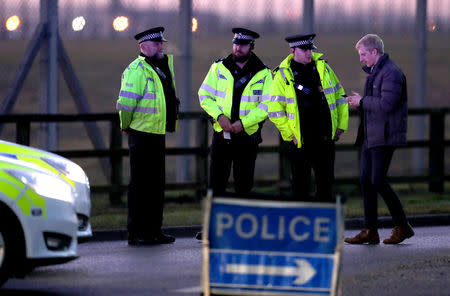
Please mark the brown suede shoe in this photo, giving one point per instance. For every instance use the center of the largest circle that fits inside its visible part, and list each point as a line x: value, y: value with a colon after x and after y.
x: 365, y: 236
x: 399, y: 234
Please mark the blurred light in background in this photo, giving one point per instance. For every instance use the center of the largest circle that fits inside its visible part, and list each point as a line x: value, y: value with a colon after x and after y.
x: 120, y: 23
x: 292, y: 14
x: 13, y: 23
x: 194, y: 24
x: 431, y: 24
x: 78, y: 23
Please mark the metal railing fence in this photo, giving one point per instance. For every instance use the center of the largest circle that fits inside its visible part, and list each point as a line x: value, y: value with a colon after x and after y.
x: 436, y: 145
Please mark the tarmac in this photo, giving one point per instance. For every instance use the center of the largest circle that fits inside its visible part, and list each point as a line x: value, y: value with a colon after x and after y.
x: 350, y: 223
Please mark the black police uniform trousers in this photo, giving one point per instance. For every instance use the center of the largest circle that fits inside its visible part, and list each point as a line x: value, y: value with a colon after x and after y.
x: 374, y: 166
x: 240, y: 153
x: 147, y: 183
x: 318, y: 156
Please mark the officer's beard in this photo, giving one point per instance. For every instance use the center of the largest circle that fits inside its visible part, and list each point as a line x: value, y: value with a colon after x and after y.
x: 241, y: 59
x: 158, y: 56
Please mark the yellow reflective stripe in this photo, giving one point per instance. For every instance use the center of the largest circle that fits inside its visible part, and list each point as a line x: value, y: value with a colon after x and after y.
x: 148, y: 110
x: 150, y: 96
x: 249, y: 99
x: 265, y: 97
x: 124, y: 107
x: 30, y: 199
x: 282, y: 74
x: 9, y: 188
x: 215, y: 92
x: 328, y: 90
x: 278, y: 99
x: 263, y: 107
x: 25, y: 197
x: 290, y: 100
x: 244, y: 112
x: 129, y: 95
x: 24, y: 204
x: 341, y: 101
x: 332, y: 89
x: 283, y: 99
x: 277, y: 114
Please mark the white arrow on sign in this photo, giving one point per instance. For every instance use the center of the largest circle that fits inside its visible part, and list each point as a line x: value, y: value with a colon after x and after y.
x: 303, y: 271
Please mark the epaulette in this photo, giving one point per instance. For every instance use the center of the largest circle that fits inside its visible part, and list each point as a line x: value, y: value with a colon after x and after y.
x: 133, y: 65
x: 219, y: 60
x: 137, y: 63
x: 276, y: 69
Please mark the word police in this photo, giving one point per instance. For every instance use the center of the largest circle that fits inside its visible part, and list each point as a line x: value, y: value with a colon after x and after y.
x: 299, y: 228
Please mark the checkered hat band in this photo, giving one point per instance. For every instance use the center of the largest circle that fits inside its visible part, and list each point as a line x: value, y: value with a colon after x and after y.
x: 150, y: 36
x: 301, y: 42
x: 242, y: 36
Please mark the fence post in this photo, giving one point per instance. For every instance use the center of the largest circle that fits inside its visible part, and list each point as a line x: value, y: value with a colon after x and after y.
x: 202, y: 158
x: 436, y: 151
x: 23, y: 132
x: 184, y: 73
x: 308, y: 16
x: 420, y: 81
x: 115, y: 195
x: 285, y: 172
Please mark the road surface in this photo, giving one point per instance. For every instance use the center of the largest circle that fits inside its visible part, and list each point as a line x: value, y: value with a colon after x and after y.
x: 419, y: 266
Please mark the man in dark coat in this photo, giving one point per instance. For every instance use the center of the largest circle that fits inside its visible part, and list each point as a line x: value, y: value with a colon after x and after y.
x: 383, y: 125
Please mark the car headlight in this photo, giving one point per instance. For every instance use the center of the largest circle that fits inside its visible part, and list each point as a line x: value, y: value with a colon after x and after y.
x: 45, y: 185
x: 71, y: 170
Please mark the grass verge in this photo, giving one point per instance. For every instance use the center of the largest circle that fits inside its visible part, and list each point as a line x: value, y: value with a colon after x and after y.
x: 105, y: 216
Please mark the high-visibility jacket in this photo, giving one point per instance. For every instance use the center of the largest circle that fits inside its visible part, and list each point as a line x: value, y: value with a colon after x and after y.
x: 283, y: 105
x: 216, y: 96
x: 141, y: 103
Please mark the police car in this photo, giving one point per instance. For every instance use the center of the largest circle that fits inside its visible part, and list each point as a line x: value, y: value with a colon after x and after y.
x: 64, y: 168
x: 38, y: 221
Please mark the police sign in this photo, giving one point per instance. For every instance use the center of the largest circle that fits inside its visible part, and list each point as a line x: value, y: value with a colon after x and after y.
x: 275, y: 247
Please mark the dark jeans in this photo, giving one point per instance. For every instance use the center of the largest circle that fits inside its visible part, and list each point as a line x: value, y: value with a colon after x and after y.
x: 239, y: 153
x: 374, y: 166
x: 318, y: 156
x: 147, y: 182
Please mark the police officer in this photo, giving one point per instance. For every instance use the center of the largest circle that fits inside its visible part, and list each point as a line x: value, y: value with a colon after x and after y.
x: 308, y: 107
x: 148, y: 109
x: 234, y: 93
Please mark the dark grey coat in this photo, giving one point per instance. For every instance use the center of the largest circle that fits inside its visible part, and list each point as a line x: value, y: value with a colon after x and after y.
x: 384, y: 108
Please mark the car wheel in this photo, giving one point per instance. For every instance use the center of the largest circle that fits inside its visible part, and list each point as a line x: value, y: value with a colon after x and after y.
x: 3, y: 273
x: 8, y: 248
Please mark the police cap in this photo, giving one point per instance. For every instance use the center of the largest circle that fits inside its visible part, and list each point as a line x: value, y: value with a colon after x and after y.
x: 153, y: 34
x: 302, y: 41
x: 244, y: 36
